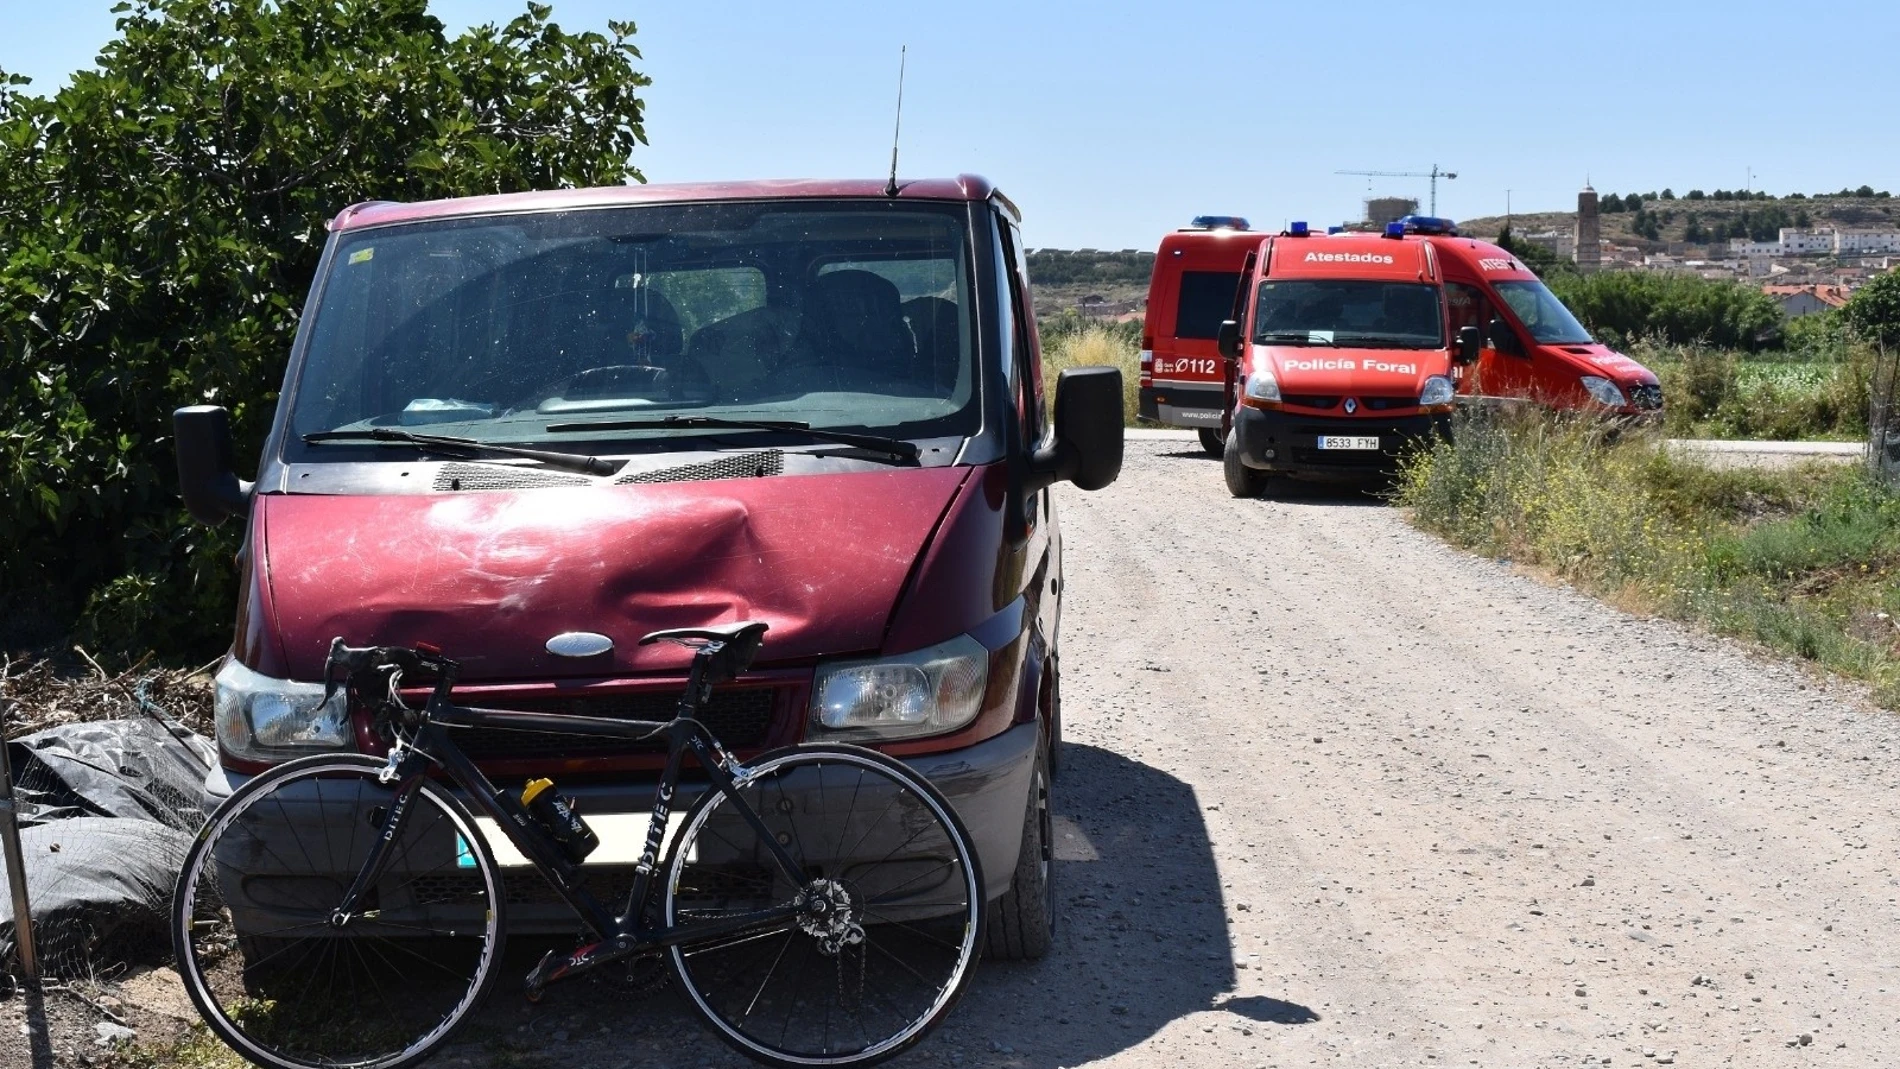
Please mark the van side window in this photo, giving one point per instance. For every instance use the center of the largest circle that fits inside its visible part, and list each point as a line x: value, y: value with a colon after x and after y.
x: 1029, y: 401
x: 1207, y: 298
x: 1467, y: 306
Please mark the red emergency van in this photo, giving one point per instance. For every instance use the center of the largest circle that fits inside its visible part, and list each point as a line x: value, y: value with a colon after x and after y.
x: 1196, y: 272
x: 1349, y: 346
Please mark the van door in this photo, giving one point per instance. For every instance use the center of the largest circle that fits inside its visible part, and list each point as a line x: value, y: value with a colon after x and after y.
x: 1502, y: 370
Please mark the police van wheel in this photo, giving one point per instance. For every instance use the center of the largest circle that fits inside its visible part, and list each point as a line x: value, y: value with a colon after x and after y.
x: 1242, y: 481
x: 1211, y: 441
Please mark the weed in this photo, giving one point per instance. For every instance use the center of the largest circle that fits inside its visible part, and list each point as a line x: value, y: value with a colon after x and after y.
x: 1803, y: 560
x: 1092, y: 345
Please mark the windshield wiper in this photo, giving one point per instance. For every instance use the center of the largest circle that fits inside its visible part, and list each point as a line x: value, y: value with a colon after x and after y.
x: 465, y: 447
x: 1369, y: 341
x: 895, y: 447
x: 1293, y: 337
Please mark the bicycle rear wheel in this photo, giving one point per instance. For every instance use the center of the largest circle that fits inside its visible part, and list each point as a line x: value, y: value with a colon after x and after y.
x: 270, y: 972
x: 873, y: 969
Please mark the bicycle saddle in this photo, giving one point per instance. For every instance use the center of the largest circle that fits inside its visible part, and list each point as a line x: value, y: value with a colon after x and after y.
x: 733, y: 646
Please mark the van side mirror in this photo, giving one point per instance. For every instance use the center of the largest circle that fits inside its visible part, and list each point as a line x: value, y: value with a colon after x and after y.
x: 1087, y: 450
x: 207, y: 475
x: 1470, y: 342
x: 1501, y: 337
x: 1228, y: 340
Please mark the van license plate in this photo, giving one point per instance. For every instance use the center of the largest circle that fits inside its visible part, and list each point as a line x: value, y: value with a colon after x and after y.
x: 1348, y: 441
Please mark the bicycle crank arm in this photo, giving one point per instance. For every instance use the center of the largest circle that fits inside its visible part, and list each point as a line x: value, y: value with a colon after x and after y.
x: 557, y: 966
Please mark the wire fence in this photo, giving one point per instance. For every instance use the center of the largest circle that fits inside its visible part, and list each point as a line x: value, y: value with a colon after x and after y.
x: 1883, y: 415
x: 107, y: 773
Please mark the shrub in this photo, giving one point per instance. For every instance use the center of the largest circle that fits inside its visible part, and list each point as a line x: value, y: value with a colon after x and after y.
x: 1623, y: 306
x: 190, y: 176
x: 1094, y: 344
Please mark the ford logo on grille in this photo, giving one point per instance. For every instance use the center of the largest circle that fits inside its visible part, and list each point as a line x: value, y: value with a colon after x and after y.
x: 579, y: 644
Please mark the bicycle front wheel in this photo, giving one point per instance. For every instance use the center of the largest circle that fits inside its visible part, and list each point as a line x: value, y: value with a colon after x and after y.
x: 272, y: 973
x: 890, y: 913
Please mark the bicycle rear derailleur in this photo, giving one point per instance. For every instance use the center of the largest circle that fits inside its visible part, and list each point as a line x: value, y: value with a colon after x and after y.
x: 827, y: 914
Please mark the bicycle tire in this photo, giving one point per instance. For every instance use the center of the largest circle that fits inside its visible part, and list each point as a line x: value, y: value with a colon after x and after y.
x: 923, y: 898
x: 458, y: 903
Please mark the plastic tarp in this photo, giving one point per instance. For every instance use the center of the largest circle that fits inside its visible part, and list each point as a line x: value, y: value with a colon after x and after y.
x: 108, y: 810
x: 130, y: 769
x: 100, y: 889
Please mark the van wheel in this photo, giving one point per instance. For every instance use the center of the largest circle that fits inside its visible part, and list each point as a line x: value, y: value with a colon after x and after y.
x: 1021, y: 925
x: 1242, y: 481
x: 1054, y: 715
x: 1211, y: 441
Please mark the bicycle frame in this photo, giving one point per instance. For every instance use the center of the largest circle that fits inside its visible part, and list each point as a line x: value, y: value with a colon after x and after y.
x: 620, y: 934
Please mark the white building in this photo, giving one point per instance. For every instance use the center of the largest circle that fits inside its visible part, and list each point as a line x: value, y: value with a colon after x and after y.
x: 1860, y: 242
x: 1744, y: 249
x: 1807, y: 241
x: 1560, y: 243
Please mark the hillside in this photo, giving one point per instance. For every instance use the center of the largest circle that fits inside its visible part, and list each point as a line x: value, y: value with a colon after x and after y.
x: 1681, y: 220
x: 1063, y: 278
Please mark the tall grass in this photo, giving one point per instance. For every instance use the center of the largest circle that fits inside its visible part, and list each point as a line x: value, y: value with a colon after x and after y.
x: 1093, y: 344
x: 1806, y: 561
x: 1710, y: 392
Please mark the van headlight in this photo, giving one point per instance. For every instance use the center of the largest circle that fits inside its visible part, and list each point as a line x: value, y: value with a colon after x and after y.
x: 265, y: 719
x: 1437, y: 391
x: 1263, y: 387
x: 1604, y: 392
x: 929, y: 692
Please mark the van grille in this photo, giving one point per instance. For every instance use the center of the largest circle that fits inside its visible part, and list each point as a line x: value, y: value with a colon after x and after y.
x: 1309, y: 400
x: 740, y: 718
x: 1381, y: 404
x: 738, y: 466
x: 1646, y: 397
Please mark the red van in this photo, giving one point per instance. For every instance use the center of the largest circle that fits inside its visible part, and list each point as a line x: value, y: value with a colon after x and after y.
x: 510, y: 419
x: 1350, y: 346
x: 1196, y: 272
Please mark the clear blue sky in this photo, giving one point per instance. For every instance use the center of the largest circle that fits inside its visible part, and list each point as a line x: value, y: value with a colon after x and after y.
x: 1112, y: 123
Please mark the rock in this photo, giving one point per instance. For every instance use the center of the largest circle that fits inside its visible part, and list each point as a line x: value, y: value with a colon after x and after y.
x: 112, y: 1035
x: 1806, y: 1038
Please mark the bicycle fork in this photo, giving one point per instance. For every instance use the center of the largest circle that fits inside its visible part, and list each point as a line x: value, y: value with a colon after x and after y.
x: 405, y: 769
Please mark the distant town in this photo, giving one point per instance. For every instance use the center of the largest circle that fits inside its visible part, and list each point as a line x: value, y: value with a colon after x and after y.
x: 1838, y: 243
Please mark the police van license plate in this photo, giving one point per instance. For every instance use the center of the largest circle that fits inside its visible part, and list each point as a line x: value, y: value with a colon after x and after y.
x: 1348, y: 441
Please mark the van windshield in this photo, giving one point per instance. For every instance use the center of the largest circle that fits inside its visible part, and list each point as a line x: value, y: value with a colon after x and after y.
x: 1542, y: 313
x: 841, y: 315
x: 1349, y: 311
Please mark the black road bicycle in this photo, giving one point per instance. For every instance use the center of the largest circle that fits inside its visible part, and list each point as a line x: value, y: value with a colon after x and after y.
x: 817, y: 906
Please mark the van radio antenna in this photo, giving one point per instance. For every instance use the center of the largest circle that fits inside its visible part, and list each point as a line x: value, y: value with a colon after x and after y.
x: 891, y: 189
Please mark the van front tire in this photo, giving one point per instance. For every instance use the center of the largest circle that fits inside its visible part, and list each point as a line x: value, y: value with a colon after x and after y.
x: 1022, y: 924
x: 1211, y: 441
x: 1242, y: 481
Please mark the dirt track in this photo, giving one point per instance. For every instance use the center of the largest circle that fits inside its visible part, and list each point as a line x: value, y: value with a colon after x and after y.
x: 1336, y: 794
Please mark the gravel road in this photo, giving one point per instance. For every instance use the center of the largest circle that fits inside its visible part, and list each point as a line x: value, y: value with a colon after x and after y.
x: 1334, y: 793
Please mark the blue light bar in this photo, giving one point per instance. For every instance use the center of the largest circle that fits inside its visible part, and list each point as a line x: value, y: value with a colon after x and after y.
x: 1395, y: 230
x: 1297, y: 229
x: 1219, y: 222
x: 1335, y: 230
x: 1428, y: 224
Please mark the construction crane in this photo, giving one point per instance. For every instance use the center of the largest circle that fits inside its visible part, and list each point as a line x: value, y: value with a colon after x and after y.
x: 1434, y: 174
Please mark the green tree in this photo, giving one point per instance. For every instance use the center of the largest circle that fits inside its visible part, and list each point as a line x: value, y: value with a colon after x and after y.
x: 1681, y: 308
x: 1874, y: 309
x: 1610, y: 204
x: 1634, y: 203
x: 1695, y: 194
x: 160, y: 219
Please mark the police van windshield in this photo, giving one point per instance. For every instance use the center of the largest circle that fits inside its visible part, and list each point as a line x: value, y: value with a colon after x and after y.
x: 837, y: 314
x: 1542, y: 313
x: 1355, y: 312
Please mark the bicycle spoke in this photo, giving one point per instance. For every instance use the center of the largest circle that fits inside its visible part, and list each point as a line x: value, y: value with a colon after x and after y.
x: 729, y: 944
x: 756, y: 995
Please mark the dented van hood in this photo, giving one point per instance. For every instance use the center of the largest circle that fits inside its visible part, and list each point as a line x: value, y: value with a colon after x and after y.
x: 491, y: 577
x: 1315, y: 369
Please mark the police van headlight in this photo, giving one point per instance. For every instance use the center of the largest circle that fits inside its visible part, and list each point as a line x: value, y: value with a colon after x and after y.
x: 929, y: 692
x: 1604, y: 392
x: 1438, y: 391
x: 265, y: 719
x: 1263, y: 388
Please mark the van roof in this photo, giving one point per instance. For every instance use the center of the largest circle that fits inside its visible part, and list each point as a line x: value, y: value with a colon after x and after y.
x: 1351, y: 256
x: 966, y: 187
